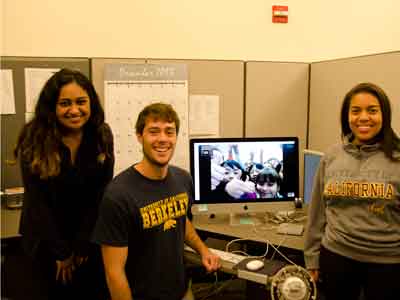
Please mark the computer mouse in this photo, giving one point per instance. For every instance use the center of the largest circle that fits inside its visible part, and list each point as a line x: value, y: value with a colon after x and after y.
x: 254, y: 265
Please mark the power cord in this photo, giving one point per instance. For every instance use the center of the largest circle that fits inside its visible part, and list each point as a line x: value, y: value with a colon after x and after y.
x: 243, y: 252
x: 276, y: 247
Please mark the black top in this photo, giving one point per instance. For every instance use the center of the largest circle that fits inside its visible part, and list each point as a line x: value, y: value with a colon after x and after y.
x: 149, y: 217
x: 60, y: 212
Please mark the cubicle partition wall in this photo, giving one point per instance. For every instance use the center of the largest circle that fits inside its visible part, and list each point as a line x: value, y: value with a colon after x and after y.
x: 224, y: 79
x: 331, y: 80
x: 12, y: 123
x: 206, y: 77
x: 257, y: 99
x: 277, y: 102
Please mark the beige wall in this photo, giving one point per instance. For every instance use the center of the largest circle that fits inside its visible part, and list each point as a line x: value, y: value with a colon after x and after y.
x: 207, y: 29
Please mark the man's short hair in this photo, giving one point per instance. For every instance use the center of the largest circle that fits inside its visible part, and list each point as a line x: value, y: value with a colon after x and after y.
x: 157, y: 111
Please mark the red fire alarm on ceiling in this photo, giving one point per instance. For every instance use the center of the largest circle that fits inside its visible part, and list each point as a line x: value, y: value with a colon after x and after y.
x: 280, y: 14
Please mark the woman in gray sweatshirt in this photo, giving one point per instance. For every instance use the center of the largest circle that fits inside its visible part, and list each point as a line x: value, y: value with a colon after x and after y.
x: 352, y: 237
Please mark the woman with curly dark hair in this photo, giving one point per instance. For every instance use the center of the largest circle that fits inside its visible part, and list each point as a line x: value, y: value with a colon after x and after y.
x: 66, y: 157
x: 352, y: 239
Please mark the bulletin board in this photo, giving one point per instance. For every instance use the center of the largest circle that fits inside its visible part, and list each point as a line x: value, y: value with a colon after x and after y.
x: 331, y: 80
x: 11, y: 124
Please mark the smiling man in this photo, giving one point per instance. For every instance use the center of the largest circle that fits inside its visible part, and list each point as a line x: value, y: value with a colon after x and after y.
x: 143, y: 220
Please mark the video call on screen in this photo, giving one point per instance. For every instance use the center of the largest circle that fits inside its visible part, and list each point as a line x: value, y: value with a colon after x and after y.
x: 245, y: 171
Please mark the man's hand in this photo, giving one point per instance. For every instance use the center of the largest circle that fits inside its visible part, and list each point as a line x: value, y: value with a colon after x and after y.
x: 236, y: 188
x: 65, y: 268
x: 210, y: 261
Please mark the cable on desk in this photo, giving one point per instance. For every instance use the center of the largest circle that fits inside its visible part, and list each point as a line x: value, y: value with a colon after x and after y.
x: 234, y: 241
x: 276, y: 248
x: 243, y: 252
x: 290, y: 279
x: 267, y: 242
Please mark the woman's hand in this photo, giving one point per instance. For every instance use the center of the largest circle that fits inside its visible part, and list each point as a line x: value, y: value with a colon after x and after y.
x: 65, y: 268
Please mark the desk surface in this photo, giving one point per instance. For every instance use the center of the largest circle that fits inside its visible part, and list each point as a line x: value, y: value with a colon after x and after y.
x: 265, y: 232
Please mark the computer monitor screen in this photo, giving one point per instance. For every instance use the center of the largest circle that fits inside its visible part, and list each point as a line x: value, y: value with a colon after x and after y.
x: 311, y: 163
x: 244, y: 170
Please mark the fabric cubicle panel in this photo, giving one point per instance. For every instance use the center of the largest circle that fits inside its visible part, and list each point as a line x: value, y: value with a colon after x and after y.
x: 277, y: 102
x: 222, y: 78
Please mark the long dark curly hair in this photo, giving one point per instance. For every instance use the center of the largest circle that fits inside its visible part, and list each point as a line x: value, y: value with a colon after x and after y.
x: 39, y: 141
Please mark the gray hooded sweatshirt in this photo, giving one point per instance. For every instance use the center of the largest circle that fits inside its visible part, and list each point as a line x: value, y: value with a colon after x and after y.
x: 355, y: 206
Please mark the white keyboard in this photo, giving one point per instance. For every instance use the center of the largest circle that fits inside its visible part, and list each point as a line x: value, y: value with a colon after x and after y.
x: 225, y: 256
x: 228, y: 256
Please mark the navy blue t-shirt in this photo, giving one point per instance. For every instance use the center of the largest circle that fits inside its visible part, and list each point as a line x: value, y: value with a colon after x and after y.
x: 149, y: 217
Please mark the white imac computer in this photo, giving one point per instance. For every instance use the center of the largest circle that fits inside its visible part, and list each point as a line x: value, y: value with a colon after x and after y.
x: 244, y: 176
x: 311, y: 164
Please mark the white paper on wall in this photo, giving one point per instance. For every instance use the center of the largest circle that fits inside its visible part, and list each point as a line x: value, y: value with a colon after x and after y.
x: 204, y: 115
x: 35, y: 78
x: 7, y: 93
x: 128, y: 88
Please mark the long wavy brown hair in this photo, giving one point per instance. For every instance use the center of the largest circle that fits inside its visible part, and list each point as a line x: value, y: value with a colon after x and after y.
x: 39, y: 141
